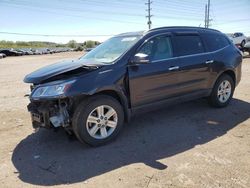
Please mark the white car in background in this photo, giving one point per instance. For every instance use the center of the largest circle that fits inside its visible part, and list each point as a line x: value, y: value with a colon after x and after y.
x: 238, y: 39
x: 2, y: 55
x: 247, y: 46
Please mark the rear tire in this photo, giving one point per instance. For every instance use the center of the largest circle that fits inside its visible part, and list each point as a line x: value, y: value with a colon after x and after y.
x: 98, y: 120
x: 222, y: 92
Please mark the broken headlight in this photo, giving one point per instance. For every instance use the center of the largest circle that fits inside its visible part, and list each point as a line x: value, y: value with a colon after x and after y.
x: 53, y: 90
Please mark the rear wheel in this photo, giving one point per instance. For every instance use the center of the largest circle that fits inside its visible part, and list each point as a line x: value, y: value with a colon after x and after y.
x: 222, y: 92
x: 98, y: 120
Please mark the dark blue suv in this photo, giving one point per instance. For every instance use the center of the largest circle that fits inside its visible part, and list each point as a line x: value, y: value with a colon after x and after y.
x: 133, y: 72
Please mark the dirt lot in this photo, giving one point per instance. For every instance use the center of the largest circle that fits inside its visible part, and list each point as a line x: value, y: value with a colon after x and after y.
x: 187, y: 145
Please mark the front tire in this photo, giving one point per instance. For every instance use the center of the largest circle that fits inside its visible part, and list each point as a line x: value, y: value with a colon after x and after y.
x: 98, y: 120
x: 222, y: 92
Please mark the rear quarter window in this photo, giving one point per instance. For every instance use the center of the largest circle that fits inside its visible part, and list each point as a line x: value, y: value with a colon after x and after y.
x: 215, y: 42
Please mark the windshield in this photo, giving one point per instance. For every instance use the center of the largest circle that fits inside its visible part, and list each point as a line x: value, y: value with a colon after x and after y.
x: 111, y: 49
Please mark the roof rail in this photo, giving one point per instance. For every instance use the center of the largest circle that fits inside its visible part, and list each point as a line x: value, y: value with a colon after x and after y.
x: 181, y: 27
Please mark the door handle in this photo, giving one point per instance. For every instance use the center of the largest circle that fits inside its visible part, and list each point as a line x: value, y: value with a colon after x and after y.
x: 209, y: 61
x: 173, y: 68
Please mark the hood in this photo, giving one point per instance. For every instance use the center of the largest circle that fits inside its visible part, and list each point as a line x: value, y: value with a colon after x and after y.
x: 58, y: 70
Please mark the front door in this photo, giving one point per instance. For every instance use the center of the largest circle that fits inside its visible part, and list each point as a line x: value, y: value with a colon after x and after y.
x: 158, y: 79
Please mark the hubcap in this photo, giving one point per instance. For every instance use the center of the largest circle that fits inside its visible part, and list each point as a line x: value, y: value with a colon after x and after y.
x: 224, y: 91
x: 102, y: 122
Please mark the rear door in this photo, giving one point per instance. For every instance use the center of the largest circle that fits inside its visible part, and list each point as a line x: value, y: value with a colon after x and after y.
x: 193, y: 62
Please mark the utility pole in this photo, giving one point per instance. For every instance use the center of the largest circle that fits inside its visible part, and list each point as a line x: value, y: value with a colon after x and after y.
x: 149, y: 13
x: 208, y: 14
x: 205, y: 25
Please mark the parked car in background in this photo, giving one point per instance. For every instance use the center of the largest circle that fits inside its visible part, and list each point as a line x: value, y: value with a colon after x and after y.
x: 25, y: 51
x: 238, y: 38
x: 246, y: 47
x: 28, y: 51
x: 36, y: 52
x: 11, y: 52
x: 2, y: 55
x: 43, y: 50
x: 21, y: 51
x: 132, y: 72
x: 88, y: 49
x: 51, y: 50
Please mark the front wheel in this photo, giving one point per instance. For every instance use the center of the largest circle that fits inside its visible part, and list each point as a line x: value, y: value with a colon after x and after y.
x: 222, y: 92
x: 98, y: 120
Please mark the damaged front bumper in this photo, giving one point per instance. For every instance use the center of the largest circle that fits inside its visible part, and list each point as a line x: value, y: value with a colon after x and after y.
x: 50, y: 114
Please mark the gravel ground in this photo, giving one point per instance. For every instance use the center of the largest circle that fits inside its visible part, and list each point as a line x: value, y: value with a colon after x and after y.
x: 187, y: 145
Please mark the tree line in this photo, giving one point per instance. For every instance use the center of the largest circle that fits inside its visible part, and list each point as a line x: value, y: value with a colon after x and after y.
x: 38, y: 44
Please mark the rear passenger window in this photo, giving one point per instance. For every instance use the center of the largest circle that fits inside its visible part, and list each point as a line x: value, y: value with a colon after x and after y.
x: 215, y: 42
x: 187, y: 45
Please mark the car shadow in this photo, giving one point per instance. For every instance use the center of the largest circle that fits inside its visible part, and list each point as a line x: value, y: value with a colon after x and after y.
x: 48, y: 158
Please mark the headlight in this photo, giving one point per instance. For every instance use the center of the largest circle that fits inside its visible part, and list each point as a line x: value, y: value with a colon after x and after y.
x: 51, y: 90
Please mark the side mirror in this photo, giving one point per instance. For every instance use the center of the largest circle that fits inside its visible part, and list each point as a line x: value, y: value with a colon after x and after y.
x: 140, y: 58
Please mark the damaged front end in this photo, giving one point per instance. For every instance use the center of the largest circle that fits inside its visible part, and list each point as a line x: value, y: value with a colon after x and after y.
x: 50, y: 114
x: 49, y: 106
x: 55, y: 92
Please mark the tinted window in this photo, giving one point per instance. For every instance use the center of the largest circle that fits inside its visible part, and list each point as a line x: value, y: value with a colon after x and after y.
x: 157, y: 48
x: 215, y: 42
x: 236, y: 34
x: 187, y: 45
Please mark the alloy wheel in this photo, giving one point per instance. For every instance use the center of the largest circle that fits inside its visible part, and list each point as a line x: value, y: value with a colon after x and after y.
x: 102, y: 122
x: 224, y: 91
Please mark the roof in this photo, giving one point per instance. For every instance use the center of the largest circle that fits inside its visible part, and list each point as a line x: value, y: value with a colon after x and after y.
x: 171, y: 28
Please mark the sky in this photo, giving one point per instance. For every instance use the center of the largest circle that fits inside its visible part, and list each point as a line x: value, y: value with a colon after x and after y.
x: 63, y: 20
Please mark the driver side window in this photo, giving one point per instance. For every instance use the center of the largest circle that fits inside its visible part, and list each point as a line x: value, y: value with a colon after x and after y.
x: 157, y: 48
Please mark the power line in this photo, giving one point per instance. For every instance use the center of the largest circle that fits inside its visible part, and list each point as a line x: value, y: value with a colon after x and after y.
x: 232, y: 21
x: 169, y: 9
x: 72, y: 9
x: 53, y: 35
x: 77, y: 16
x: 177, y: 17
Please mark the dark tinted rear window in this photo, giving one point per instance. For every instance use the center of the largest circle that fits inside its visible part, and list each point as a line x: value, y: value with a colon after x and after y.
x: 215, y: 42
x: 187, y: 45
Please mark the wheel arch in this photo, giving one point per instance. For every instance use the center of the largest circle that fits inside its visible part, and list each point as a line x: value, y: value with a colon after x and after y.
x: 229, y: 72
x: 120, y: 97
